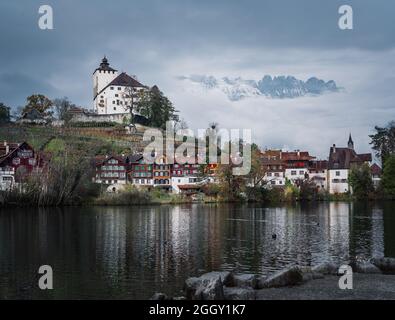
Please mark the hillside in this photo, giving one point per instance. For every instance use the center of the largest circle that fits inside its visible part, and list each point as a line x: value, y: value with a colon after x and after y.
x: 84, y: 141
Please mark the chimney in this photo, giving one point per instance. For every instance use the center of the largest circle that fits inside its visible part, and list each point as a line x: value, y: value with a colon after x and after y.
x: 334, y: 148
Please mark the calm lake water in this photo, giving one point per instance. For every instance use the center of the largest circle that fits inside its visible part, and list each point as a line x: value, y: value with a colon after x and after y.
x: 132, y: 252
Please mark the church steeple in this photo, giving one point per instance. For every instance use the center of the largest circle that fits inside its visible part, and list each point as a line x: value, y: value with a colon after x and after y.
x: 350, y: 143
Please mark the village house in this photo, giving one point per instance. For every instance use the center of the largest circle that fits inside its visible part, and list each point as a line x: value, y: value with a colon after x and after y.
x: 318, y: 173
x: 340, y: 162
x: 111, y: 170
x: 141, y: 173
x: 162, y: 173
x: 184, y: 178
x: 274, y: 168
x: 17, y: 161
x: 296, y: 165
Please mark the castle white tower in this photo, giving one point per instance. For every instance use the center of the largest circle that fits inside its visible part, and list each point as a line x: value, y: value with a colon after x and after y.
x: 102, y: 76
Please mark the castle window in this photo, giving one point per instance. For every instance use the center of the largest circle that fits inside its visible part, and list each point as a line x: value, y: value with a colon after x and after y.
x: 119, y: 88
x: 115, y: 108
x: 111, y: 88
x: 116, y: 94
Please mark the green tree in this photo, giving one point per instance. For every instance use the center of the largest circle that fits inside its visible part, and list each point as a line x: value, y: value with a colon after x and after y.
x: 360, y: 180
x: 39, y: 103
x: 388, y: 178
x: 157, y: 108
x: 383, y: 141
x: 4, y: 113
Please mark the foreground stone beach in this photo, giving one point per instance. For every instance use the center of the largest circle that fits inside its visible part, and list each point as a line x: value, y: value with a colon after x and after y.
x: 372, y: 280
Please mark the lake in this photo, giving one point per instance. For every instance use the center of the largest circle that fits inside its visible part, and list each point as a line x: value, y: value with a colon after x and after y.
x: 133, y: 252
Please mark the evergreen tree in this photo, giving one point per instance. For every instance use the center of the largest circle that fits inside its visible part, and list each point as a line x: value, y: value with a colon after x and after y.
x: 157, y: 108
x: 4, y: 113
x: 383, y: 141
x: 360, y: 180
x: 388, y: 178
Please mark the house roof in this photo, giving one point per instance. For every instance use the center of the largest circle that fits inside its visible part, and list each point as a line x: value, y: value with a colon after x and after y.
x: 188, y: 186
x: 105, y: 66
x: 296, y: 156
x: 32, y: 114
x: 98, y: 160
x: 123, y: 80
x: 12, y: 148
x: 343, y: 158
x: 318, y: 165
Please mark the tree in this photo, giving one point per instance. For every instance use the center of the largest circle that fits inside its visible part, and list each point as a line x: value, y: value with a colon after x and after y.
x: 62, y: 109
x: 257, y: 172
x: 157, y: 108
x: 39, y: 103
x: 388, y: 178
x: 4, y: 113
x: 360, y: 180
x: 383, y: 141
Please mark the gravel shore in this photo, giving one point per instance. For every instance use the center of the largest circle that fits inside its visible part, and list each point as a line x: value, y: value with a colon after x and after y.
x: 366, y: 287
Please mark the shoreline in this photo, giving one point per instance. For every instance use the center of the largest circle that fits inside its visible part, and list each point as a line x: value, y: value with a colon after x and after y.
x: 357, y: 280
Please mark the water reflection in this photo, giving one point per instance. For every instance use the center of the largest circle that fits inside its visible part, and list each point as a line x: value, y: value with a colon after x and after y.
x: 121, y: 252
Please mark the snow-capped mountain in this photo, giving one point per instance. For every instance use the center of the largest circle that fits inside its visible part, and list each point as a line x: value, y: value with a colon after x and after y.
x: 274, y: 87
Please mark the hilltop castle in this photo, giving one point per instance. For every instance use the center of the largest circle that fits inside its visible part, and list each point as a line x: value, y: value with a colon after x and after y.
x: 113, y: 92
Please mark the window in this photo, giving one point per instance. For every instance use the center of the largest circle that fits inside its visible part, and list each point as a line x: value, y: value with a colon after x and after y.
x: 117, y: 102
x: 273, y: 182
x: 293, y: 173
x: 111, y: 88
x: 337, y: 173
x: 301, y: 172
x: 113, y: 102
x: 269, y: 174
x: 116, y: 95
x: 32, y: 161
x: 115, y: 108
x: 276, y: 174
x: 119, y: 88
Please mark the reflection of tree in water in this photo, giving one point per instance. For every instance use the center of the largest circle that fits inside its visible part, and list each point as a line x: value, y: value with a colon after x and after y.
x: 366, y: 230
x: 389, y: 229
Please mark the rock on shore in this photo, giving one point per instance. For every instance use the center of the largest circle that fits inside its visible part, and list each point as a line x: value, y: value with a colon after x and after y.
x: 230, y: 286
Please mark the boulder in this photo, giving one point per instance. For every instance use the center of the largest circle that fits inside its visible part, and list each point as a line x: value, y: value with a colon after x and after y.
x: 386, y: 265
x: 325, y: 268
x: 288, y: 277
x: 235, y: 293
x: 364, y: 267
x: 159, y: 296
x: 226, y: 277
x: 207, y: 287
x: 309, y: 274
x: 245, y: 281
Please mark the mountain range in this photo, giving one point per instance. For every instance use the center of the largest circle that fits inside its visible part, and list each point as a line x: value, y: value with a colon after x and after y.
x: 281, y: 87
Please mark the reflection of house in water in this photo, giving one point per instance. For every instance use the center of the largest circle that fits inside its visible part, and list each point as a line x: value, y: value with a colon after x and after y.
x: 111, y: 239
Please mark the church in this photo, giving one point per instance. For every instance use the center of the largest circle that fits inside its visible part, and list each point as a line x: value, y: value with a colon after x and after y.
x: 114, y: 93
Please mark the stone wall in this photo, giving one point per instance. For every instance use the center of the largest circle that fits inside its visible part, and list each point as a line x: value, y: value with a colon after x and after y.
x: 92, y: 117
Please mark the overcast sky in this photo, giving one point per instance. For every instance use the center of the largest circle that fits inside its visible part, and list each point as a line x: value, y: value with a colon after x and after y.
x: 160, y: 40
